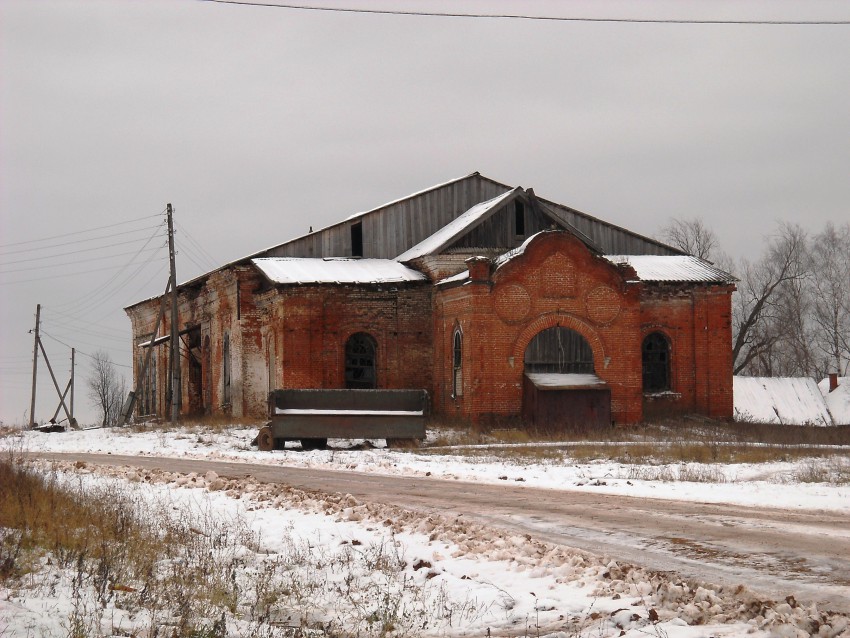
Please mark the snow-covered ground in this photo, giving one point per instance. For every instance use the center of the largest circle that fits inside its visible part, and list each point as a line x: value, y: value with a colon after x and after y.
x: 454, y: 579
x: 743, y: 484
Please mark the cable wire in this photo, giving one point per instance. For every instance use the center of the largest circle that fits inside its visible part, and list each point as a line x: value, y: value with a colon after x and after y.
x: 85, y: 354
x: 80, y: 232
x: 74, y: 242
x: 68, y: 263
x: 520, y: 16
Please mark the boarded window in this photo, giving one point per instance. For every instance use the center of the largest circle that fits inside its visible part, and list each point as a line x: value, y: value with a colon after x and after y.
x: 360, y: 351
x: 147, y: 400
x: 457, y: 364
x: 225, y: 372
x: 656, y: 363
x: 559, y: 350
x: 272, y: 363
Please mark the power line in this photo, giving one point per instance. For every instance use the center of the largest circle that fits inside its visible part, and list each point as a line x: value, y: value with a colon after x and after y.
x: 85, y: 354
x: 69, y: 274
x: 520, y: 16
x: 104, y: 286
x: 68, y: 263
x: 200, y: 251
x: 79, y: 232
x: 73, y: 252
x: 74, y: 242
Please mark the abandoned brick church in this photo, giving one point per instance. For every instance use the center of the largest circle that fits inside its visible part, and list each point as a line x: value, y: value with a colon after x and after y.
x: 501, y: 304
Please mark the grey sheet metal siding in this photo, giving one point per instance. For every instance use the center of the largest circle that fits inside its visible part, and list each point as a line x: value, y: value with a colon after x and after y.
x: 392, y: 229
x: 609, y: 237
x: 498, y: 230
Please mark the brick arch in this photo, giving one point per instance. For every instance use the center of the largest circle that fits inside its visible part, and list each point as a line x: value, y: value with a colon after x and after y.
x: 554, y: 320
x: 377, y: 363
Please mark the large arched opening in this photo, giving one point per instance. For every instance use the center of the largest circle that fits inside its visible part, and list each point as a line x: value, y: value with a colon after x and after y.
x: 560, y: 388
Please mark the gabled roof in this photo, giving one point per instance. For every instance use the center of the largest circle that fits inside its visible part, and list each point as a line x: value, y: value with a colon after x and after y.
x: 673, y: 268
x: 298, y: 270
x: 460, y: 225
x: 781, y: 400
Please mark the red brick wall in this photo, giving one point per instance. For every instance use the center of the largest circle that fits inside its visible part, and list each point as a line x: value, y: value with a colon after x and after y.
x: 697, y: 323
x: 311, y: 325
x: 555, y: 282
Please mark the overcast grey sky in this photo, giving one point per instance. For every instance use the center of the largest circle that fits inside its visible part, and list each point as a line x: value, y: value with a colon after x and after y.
x: 256, y: 123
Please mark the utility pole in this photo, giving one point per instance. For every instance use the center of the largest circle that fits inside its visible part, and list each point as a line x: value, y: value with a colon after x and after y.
x: 34, y: 365
x: 73, y: 352
x: 175, y: 331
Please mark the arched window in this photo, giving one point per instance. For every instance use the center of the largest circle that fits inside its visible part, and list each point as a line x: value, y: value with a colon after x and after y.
x: 360, y: 355
x: 457, y: 364
x: 225, y: 371
x: 656, y: 363
x: 559, y: 350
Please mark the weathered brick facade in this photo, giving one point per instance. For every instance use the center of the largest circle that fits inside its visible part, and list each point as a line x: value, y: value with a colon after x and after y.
x: 458, y: 319
x: 557, y: 281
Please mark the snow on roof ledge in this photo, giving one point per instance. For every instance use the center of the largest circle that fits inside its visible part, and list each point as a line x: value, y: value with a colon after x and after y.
x: 562, y: 381
x: 780, y: 400
x: 296, y: 270
x: 673, y: 268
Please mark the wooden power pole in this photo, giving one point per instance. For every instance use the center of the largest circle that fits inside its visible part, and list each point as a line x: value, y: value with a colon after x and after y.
x: 35, y: 365
x: 175, y: 330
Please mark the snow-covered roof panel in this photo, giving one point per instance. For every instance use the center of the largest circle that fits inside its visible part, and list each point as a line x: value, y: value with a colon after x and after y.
x: 780, y: 400
x: 673, y: 268
x: 837, y: 401
x: 297, y: 270
x: 456, y: 227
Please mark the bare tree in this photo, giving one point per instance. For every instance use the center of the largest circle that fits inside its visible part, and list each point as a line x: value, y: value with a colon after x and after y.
x: 692, y: 237
x: 760, y: 318
x: 830, y: 291
x: 106, y: 388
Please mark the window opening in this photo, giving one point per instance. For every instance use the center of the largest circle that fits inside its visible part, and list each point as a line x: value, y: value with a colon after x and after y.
x: 656, y: 363
x: 457, y: 364
x: 360, y: 351
x: 357, y: 239
x: 519, y: 219
x: 559, y: 350
x: 225, y: 362
x: 272, y: 363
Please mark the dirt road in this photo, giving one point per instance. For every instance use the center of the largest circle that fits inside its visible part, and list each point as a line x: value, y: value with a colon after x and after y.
x: 778, y: 553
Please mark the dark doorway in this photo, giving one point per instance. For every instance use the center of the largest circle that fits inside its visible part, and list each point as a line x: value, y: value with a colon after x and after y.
x: 656, y: 363
x: 559, y: 350
x: 360, y: 351
x: 560, y: 390
x: 195, y: 382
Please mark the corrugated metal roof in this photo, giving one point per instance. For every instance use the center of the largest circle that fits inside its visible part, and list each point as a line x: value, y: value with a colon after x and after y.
x: 673, y: 268
x: 781, y: 400
x: 298, y: 270
x: 457, y: 226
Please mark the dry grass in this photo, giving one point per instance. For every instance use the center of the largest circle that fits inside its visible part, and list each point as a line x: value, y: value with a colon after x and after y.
x: 209, y: 423
x: 685, y: 440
